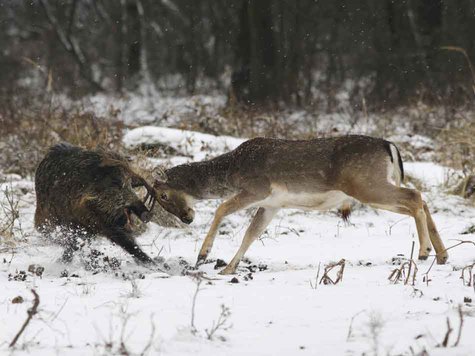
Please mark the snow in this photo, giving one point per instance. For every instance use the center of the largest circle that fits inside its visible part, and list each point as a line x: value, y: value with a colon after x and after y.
x: 277, y: 312
x: 433, y: 175
x: 416, y: 141
x: 147, y: 106
x: 188, y: 143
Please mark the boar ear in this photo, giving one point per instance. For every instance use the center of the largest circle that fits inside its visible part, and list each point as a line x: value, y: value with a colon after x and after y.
x: 111, y: 162
x: 158, y: 173
x: 158, y: 184
x: 86, y: 201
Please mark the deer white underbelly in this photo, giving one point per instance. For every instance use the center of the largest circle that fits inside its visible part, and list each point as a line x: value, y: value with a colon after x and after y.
x: 280, y: 197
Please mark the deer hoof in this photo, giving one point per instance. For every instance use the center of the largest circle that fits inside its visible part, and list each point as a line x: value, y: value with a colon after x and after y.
x: 228, y: 270
x: 442, y: 258
x: 201, y: 260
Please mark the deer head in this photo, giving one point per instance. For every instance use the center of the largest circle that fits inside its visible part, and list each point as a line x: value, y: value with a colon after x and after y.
x: 175, y: 201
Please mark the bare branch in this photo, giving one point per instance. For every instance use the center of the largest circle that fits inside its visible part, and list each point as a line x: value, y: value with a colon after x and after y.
x: 71, y: 45
x: 459, y: 334
x: 71, y: 17
x: 31, y: 312
x: 467, y: 58
x: 447, y: 334
x: 467, y: 275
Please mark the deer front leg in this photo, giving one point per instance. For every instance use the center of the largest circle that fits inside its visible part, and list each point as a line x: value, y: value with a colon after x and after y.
x: 236, y: 203
x: 259, y: 223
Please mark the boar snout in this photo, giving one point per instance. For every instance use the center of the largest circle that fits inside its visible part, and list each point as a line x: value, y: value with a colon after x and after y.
x: 146, y: 216
x: 141, y: 211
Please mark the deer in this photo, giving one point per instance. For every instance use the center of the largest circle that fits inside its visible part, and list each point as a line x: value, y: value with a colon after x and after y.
x: 317, y: 174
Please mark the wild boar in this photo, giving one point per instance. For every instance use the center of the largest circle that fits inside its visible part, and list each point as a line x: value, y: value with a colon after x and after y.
x: 83, y: 193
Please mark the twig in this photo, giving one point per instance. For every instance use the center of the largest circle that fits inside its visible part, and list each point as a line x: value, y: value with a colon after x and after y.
x: 58, y: 312
x: 199, y: 275
x: 459, y: 334
x: 394, y: 224
x: 461, y: 242
x: 468, y: 270
x: 399, y: 274
x: 220, y: 323
x: 425, y: 277
x: 314, y: 286
x: 32, y: 311
x: 326, y: 279
x: 350, y: 328
x: 150, y: 341
x: 447, y: 334
x: 410, y: 267
x: 198, y: 281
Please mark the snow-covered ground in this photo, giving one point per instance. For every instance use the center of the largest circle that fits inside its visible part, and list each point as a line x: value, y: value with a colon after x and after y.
x: 276, y: 308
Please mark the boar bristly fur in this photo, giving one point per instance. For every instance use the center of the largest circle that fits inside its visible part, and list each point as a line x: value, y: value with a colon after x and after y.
x: 88, y: 192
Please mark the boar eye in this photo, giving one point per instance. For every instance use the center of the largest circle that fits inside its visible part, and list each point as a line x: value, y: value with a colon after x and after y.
x: 164, y: 196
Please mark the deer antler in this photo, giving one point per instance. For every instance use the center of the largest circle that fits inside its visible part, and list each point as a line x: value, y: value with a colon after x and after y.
x: 151, y: 196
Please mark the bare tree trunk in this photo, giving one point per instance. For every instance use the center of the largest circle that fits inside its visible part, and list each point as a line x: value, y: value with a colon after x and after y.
x: 263, y: 57
x: 144, y: 69
x: 134, y: 40
x: 122, y: 47
x: 255, y: 78
x: 242, y: 56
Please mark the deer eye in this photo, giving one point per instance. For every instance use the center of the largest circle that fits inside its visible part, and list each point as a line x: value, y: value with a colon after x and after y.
x: 164, y: 196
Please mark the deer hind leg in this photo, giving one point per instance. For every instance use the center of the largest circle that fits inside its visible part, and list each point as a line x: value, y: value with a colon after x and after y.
x: 424, y: 223
x: 441, y: 252
x: 409, y: 202
x: 258, y: 225
x: 236, y: 203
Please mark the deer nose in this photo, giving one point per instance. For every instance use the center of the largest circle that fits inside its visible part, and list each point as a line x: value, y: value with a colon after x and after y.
x: 187, y: 219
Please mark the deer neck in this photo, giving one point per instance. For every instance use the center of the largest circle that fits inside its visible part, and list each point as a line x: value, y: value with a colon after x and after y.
x: 203, y: 180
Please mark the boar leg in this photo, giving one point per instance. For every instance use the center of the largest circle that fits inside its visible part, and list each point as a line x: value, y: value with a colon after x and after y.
x: 73, y: 241
x: 124, y: 240
x: 68, y: 253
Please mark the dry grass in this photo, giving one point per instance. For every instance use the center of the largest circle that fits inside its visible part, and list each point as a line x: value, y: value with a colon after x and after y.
x: 240, y: 121
x: 27, y: 134
x: 327, y: 279
x: 10, y: 225
x: 458, y: 140
x: 414, y: 182
x: 407, y: 272
x: 457, y: 147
